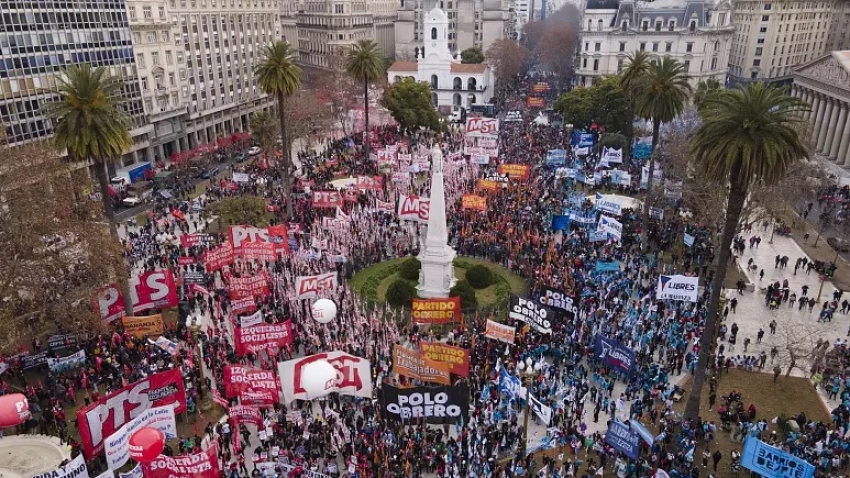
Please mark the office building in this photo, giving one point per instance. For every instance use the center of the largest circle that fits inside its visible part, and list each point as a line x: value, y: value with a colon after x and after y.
x: 472, y: 23
x: 838, y: 36
x: 773, y: 36
x: 696, y: 33
x: 39, y: 39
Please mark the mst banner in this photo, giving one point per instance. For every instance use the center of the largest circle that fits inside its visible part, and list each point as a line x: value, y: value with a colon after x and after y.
x: 200, y: 465
x: 239, y: 379
x: 410, y: 363
x: 436, y: 311
x: 559, y: 300
x: 106, y: 416
x: 353, y: 375
x: 538, y: 316
x: 308, y: 287
x: 436, y: 405
x: 456, y: 357
x: 261, y: 337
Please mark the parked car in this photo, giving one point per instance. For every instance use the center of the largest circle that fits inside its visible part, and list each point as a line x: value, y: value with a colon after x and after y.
x: 839, y: 244
x: 132, y: 201
x: 210, y: 173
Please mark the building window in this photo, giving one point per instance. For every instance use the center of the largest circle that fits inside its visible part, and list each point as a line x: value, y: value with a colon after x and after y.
x: 595, y: 65
x: 624, y: 25
x: 689, y: 47
x: 655, y: 46
x: 137, y: 38
x: 763, y: 30
x: 619, y: 65
x: 169, y: 59
x: 151, y: 37
x: 434, y: 82
x: 589, y: 25
x: 687, y: 65
x: 642, y: 46
x: 162, y: 13
x: 760, y: 41
x: 433, y: 33
x: 165, y: 37
x: 145, y: 83
x: 658, y: 26
x: 693, y: 26
x: 757, y: 62
x: 754, y: 75
x: 758, y: 51
x: 669, y: 47
x: 140, y: 60
x: 765, y: 18
x: 584, y: 62
x: 155, y: 57
x: 767, y: 6
x: 338, y: 9
x: 622, y: 46
x: 132, y: 13
x: 599, y: 26
x: 597, y: 47
x: 146, y: 12
x: 645, y: 25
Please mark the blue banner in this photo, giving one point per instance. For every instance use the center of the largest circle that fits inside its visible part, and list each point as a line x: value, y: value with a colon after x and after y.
x: 602, y: 266
x: 689, y: 240
x: 560, y: 223
x: 586, y: 218
x: 614, y: 353
x: 772, y: 462
x: 509, y: 384
x: 581, y: 139
x: 642, y: 431
x: 556, y: 157
x: 642, y: 148
x: 597, y: 236
x: 622, y: 439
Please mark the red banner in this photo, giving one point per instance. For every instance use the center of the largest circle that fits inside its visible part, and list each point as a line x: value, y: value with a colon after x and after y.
x: 109, y: 302
x: 189, y: 240
x: 373, y: 183
x: 259, y: 398
x: 243, y: 306
x: 250, y: 286
x: 353, y: 375
x: 153, y: 289
x: 201, y: 465
x: 238, y: 379
x: 322, y: 199
x: 277, y: 235
x: 456, y: 357
x: 104, y: 417
x: 185, y: 260
x: 436, y: 311
x: 540, y: 87
x: 242, y: 414
x: 257, y: 251
x: 219, y: 257
x: 260, y: 337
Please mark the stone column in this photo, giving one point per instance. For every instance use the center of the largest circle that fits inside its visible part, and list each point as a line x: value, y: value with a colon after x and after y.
x: 830, y: 128
x: 844, y: 142
x: 824, y: 124
x: 817, y: 104
x: 835, y: 142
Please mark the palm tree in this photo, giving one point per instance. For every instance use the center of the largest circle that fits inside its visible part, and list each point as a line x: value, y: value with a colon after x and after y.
x: 663, y: 92
x: 747, y: 136
x: 635, y: 69
x: 277, y: 74
x: 91, y: 125
x: 365, y: 62
x: 706, y: 88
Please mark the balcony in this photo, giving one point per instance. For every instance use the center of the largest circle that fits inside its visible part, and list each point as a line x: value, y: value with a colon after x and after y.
x: 161, y: 90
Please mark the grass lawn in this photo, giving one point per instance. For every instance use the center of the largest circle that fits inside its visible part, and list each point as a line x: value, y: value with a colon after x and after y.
x: 732, y: 276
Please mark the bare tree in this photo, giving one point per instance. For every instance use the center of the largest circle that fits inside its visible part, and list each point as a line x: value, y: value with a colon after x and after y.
x: 338, y: 91
x: 556, y: 46
x: 509, y: 59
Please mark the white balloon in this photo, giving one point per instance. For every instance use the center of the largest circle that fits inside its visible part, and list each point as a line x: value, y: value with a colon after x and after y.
x: 324, y: 311
x: 317, y: 378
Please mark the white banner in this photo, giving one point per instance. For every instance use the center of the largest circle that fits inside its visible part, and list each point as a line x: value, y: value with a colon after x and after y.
x: 117, y: 446
x: 479, y: 158
x: 308, y: 287
x: 106, y: 474
x: 612, y: 155
x: 353, y: 377
x: 479, y: 126
x: 136, y: 472
x: 250, y: 320
x: 165, y: 344
x: 604, y: 204
x: 414, y: 208
x: 543, y: 412
x: 677, y: 287
x: 582, y: 151
x: 62, y: 364
x: 75, y: 469
x: 241, y: 177
x: 611, y: 226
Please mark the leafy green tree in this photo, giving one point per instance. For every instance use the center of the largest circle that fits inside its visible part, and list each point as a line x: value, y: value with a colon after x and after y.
x: 479, y: 276
x: 612, y: 140
x: 462, y: 289
x: 603, y: 103
x: 577, y: 107
x: 400, y: 293
x: 91, y: 125
x: 264, y: 130
x: 278, y: 75
x: 663, y: 93
x: 706, y: 88
x: 748, y: 137
x: 636, y: 67
x: 239, y: 210
x: 365, y: 63
x: 409, y: 269
x: 472, y: 54
x: 409, y: 102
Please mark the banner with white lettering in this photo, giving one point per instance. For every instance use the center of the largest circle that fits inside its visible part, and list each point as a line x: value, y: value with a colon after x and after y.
x: 136, y: 472
x: 611, y: 226
x: 261, y: 337
x: 435, y: 405
x: 59, y: 365
x: 543, y: 412
x: 199, y: 465
x: 354, y: 376
x: 606, y: 203
x: 117, y: 446
x: 76, y: 468
x: 559, y: 300
x: 308, y: 287
x: 251, y: 320
x: 538, y: 316
x: 677, y: 287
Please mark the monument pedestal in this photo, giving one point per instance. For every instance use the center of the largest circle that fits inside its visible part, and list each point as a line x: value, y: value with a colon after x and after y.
x: 438, y: 274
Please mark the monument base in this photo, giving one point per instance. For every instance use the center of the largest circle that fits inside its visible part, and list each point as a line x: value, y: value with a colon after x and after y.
x: 437, y: 276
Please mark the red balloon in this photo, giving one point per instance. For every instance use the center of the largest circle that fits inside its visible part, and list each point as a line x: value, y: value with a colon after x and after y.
x: 14, y: 410
x: 146, y: 444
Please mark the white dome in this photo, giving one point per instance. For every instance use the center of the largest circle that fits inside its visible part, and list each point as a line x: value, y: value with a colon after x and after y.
x: 437, y: 15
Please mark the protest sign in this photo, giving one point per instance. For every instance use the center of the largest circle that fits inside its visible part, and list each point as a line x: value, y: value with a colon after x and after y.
x: 515, y: 171
x: 538, y: 316
x: 473, y: 202
x: 76, y: 468
x: 261, y: 337
x: 327, y: 199
x: 677, y: 287
x: 410, y: 363
x: 435, y: 405
x: 143, y: 326
x: 199, y: 465
x: 456, y: 357
x: 354, y: 376
x: 219, y: 257
x: 117, y: 446
x: 500, y: 332
x: 769, y: 461
x: 436, y: 311
x: 309, y: 287
x: 414, y: 208
x: 239, y: 379
x: 62, y: 364
x: 614, y: 353
x: 622, y: 439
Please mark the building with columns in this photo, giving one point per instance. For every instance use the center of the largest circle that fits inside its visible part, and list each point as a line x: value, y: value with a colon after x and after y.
x: 824, y: 83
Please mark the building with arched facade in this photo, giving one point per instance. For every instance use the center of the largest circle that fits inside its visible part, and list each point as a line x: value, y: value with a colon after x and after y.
x: 452, y: 83
x: 824, y: 83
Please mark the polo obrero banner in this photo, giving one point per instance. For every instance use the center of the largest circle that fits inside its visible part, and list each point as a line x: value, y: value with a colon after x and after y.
x: 435, y: 405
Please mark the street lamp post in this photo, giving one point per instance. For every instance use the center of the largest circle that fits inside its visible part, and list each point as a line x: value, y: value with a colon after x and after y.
x: 527, y: 371
x: 204, y: 403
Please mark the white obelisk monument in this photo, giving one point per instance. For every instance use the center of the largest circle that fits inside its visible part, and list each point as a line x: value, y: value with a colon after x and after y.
x: 438, y: 273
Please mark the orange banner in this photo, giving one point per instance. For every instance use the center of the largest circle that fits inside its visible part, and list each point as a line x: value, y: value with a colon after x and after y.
x: 473, y: 202
x: 500, y: 332
x: 411, y: 363
x: 456, y: 357
x: 515, y: 171
x: 535, y: 102
x: 150, y: 326
x: 436, y: 311
x: 488, y: 185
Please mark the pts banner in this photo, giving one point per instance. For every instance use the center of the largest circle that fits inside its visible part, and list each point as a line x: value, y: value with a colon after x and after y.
x: 436, y: 311
x: 436, y: 405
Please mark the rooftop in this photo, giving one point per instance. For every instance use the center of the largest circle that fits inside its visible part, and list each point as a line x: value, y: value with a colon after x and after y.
x: 403, y: 66
x: 468, y: 68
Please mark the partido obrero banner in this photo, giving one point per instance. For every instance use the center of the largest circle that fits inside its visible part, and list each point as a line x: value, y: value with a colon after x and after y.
x: 436, y: 311
x: 117, y: 446
x: 559, y: 300
x: 538, y: 316
x: 677, y: 287
x: 410, y: 363
x: 435, y: 405
x: 104, y: 417
x: 456, y: 357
